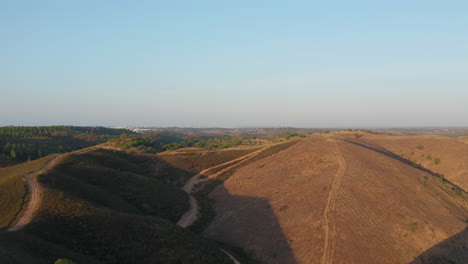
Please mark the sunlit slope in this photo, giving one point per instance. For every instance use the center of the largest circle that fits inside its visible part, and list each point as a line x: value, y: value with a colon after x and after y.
x: 333, y: 199
x: 444, y: 155
x: 13, y: 193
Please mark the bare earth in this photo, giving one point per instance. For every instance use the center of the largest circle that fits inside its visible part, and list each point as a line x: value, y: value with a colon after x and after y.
x: 192, y: 214
x: 329, y: 225
x: 329, y: 200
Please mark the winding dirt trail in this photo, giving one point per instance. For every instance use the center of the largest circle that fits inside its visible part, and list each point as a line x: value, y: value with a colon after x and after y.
x: 35, y: 190
x: 192, y: 214
x: 330, y: 229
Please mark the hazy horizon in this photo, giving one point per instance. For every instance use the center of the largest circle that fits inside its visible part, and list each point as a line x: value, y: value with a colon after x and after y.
x: 237, y: 64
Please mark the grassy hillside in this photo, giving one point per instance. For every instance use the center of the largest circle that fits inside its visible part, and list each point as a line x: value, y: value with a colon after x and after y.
x: 118, y: 181
x: 107, y: 206
x: 12, y: 188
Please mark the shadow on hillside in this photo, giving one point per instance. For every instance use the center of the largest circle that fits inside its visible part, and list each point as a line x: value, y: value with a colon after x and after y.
x: 401, y: 159
x: 453, y: 250
x: 122, y: 186
x: 250, y: 223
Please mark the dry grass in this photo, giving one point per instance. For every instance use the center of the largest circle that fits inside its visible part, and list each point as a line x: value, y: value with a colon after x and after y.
x: 178, y: 166
x: 449, y: 156
x: 13, y: 189
x: 274, y: 207
x: 107, y: 206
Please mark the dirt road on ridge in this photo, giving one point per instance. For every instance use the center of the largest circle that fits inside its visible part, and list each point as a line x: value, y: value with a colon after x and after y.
x: 192, y: 214
x: 329, y: 225
x: 35, y: 191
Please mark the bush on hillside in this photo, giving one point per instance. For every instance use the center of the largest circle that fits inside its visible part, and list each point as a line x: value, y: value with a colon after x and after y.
x: 64, y: 261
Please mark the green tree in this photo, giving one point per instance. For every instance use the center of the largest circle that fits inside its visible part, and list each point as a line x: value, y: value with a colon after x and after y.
x: 64, y: 261
x: 13, y: 154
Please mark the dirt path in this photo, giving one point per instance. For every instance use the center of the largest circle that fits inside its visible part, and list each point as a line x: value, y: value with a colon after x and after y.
x: 230, y: 256
x: 192, y: 214
x: 330, y: 229
x: 35, y: 190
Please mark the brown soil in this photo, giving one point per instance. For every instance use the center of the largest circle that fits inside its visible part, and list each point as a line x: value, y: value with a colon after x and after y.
x: 453, y: 153
x: 329, y: 200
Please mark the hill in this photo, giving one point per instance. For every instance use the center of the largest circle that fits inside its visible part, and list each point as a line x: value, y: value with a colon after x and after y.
x: 336, y: 198
x: 106, y: 206
x: 443, y: 155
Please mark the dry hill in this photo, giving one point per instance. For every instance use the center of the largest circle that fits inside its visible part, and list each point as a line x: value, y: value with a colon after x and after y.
x: 337, y: 199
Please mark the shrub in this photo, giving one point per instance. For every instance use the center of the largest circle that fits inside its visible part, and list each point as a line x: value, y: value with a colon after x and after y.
x: 420, y: 147
x: 357, y: 135
x: 64, y: 261
x: 437, y: 161
x: 429, y: 157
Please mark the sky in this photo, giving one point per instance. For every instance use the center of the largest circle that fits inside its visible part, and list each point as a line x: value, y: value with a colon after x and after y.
x: 234, y: 63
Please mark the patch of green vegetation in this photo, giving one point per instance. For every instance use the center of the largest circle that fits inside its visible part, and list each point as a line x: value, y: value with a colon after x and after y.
x: 356, y: 135
x: 457, y: 191
x: 420, y: 147
x: 437, y: 161
x: 429, y: 157
x: 18, y: 143
x: 163, y: 141
x: 64, y: 261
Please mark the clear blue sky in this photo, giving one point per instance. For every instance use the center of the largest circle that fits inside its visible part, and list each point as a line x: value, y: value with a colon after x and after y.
x: 234, y: 63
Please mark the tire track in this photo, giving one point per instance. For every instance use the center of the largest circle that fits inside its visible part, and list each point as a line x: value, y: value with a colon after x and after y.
x: 330, y: 228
